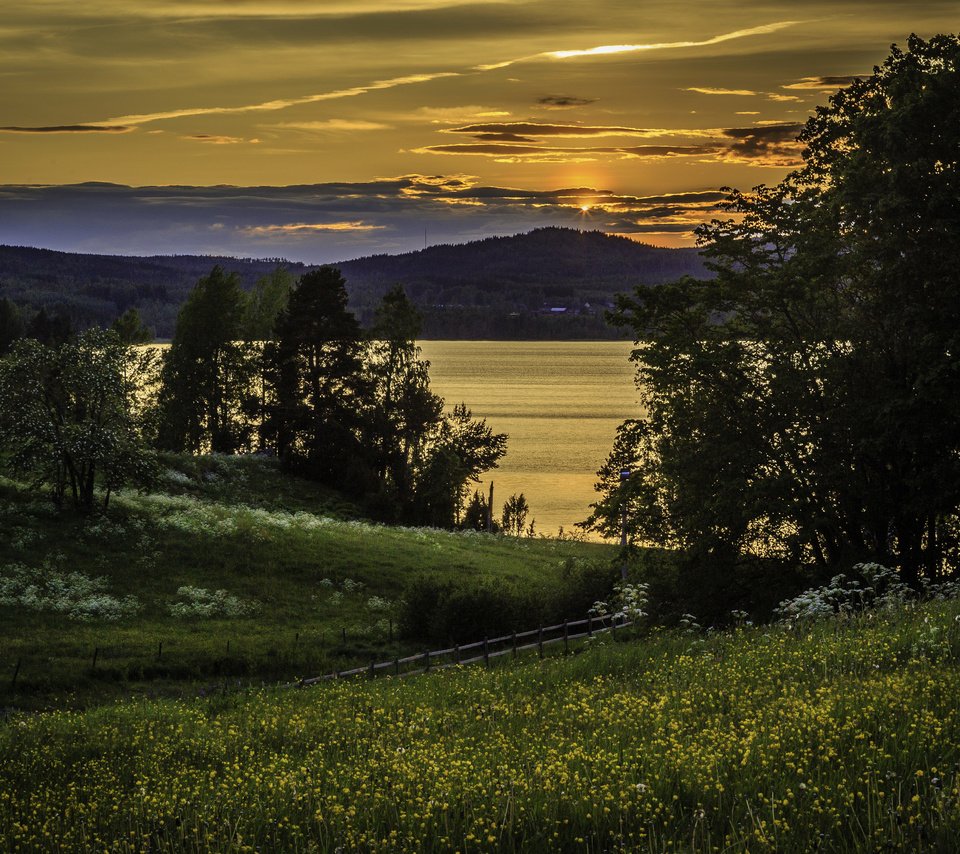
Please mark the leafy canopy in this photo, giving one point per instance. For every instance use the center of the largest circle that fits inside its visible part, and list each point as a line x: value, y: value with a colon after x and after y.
x: 804, y: 405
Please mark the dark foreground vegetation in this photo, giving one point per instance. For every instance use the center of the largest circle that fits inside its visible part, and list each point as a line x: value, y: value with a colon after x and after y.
x: 802, y: 407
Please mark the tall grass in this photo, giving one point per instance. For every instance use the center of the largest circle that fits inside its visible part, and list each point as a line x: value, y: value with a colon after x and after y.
x: 838, y: 735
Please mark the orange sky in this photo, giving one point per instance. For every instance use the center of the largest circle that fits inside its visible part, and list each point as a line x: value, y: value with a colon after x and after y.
x: 461, y: 119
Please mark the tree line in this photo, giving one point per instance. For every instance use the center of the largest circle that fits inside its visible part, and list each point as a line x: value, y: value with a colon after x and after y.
x: 284, y: 370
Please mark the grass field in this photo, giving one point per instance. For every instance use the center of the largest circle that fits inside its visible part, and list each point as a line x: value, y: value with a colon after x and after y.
x: 95, y: 608
x: 830, y: 736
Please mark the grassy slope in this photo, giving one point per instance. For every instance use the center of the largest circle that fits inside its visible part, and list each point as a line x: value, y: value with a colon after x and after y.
x: 238, y: 525
x: 839, y: 736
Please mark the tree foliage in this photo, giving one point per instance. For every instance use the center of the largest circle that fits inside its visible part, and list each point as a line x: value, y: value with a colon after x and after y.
x: 403, y: 410
x: 317, y: 385
x: 207, y: 395
x: 513, y: 520
x: 805, y: 404
x: 131, y: 329
x: 72, y: 415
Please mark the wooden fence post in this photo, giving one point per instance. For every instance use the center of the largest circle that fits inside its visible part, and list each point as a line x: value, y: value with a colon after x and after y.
x: 566, y: 637
x: 396, y: 666
x: 486, y: 652
x: 590, y: 626
x: 456, y: 652
x: 514, y: 644
x: 540, y: 642
x: 426, y: 661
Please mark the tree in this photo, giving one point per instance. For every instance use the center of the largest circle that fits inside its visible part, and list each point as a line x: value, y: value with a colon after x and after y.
x: 207, y: 396
x: 72, y: 416
x: 805, y: 404
x: 131, y: 329
x: 53, y: 330
x: 11, y: 325
x: 265, y: 304
x: 316, y: 384
x: 458, y: 450
x: 402, y: 410
x: 514, y: 516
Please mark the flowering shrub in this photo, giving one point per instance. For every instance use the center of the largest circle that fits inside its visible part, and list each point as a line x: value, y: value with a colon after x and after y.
x: 74, y: 594
x: 628, y: 603
x: 200, y: 602
x: 877, y: 586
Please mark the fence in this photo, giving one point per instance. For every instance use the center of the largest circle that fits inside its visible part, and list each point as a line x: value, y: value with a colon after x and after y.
x: 485, y: 650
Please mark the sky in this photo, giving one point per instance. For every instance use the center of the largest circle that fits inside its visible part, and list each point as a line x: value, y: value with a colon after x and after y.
x: 323, y: 130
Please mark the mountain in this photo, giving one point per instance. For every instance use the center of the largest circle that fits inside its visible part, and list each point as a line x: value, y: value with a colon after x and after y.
x: 548, y: 283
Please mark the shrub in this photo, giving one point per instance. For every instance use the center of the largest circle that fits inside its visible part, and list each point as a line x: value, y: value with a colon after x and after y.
x: 73, y: 594
x: 440, y: 612
x: 199, y: 602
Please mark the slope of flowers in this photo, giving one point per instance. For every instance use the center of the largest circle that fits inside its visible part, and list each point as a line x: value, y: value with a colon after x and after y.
x: 836, y: 735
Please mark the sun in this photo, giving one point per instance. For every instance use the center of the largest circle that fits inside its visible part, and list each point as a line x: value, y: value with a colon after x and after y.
x: 585, y: 208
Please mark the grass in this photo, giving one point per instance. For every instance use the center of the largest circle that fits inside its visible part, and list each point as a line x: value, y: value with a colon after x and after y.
x: 319, y: 587
x: 842, y: 735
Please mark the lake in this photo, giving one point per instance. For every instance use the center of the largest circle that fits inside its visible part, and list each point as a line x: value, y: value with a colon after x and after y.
x: 560, y: 403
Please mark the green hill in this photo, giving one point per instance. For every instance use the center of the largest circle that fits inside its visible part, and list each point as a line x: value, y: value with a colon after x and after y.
x: 836, y: 736
x: 101, y: 607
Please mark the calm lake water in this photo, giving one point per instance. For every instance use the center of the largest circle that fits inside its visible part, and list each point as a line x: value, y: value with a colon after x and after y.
x: 560, y: 403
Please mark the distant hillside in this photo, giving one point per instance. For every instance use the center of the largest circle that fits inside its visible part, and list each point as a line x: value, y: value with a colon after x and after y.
x: 549, y: 283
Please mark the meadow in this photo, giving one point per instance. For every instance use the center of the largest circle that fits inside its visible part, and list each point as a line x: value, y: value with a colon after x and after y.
x: 228, y: 570
x: 839, y: 734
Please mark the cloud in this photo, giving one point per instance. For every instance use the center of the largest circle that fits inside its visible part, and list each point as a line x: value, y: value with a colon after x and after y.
x: 566, y: 154
x: 277, y: 104
x: 325, y: 223
x: 563, y: 102
x: 333, y: 125
x: 822, y: 83
x: 283, y: 103
x: 215, y: 139
x: 610, y: 49
x: 706, y: 90
x: 570, y: 130
x: 457, y: 115
x: 302, y: 228
x: 774, y: 96
x: 93, y: 128
x: 774, y: 145
x: 502, y: 137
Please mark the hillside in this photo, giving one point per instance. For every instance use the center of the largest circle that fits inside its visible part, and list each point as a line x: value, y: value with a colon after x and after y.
x: 549, y: 283
x: 230, y: 568
x: 836, y: 736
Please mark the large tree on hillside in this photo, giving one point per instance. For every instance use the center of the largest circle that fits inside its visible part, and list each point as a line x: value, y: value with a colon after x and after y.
x: 207, y: 395
x: 316, y: 385
x: 805, y: 404
x: 72, y: 416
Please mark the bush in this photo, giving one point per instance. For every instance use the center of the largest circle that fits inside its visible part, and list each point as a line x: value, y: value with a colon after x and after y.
x: 455, y: 611
x: 441, y: 612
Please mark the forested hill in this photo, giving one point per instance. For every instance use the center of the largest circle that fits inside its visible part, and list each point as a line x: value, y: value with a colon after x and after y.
x: 549, y: 283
